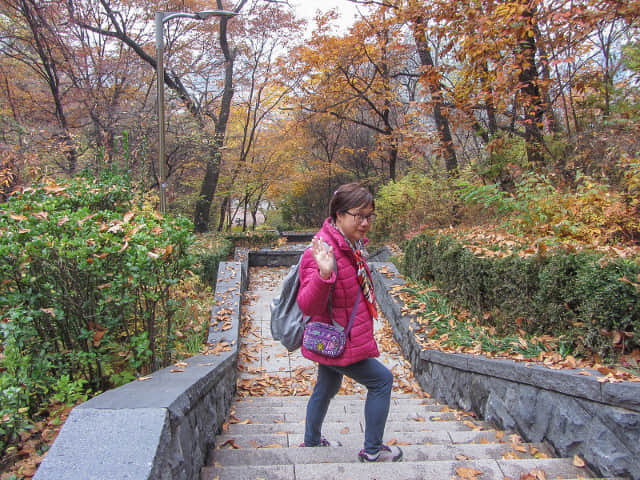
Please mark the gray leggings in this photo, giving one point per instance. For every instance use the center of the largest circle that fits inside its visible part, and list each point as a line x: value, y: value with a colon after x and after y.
x: 370, y: 373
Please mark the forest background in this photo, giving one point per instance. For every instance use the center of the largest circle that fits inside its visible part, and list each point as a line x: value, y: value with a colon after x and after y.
x: 507, y: 124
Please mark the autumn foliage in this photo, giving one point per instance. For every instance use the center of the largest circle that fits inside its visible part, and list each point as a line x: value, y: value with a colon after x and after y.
x: 520, y: 117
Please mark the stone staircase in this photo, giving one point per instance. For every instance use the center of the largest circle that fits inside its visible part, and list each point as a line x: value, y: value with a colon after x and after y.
x: 264, y: 433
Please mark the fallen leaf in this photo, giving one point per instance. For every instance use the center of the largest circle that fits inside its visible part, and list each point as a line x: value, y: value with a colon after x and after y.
x: 468, y: 473
x: 232, y: 443
x: 578, y: 462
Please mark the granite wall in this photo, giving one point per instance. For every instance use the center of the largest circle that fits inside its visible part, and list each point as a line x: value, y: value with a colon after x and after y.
x: 572, y: 411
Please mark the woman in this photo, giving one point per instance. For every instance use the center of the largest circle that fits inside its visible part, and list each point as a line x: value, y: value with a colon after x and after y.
x: 340, y: 243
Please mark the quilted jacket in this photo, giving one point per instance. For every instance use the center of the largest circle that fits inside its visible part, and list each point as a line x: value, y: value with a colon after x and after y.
x: 314, y: 293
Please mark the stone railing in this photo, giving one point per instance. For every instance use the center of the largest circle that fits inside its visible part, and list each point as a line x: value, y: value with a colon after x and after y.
x: 570, y: 409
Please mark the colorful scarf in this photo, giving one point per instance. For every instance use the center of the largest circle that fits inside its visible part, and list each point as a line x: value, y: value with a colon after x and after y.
x: 364, y: 278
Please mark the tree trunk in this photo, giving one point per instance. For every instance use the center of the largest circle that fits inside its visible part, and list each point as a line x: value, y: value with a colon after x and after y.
x: 442, y: 122
x: 210, y: 181
x: 489, y: 103
x: 393, y: 159
x: 208, y: 187
x: 224, y: 206
x: 532, y: 104
x: 554, y: 125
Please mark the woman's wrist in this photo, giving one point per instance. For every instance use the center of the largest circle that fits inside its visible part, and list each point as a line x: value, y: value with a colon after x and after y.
x: 324, y: 275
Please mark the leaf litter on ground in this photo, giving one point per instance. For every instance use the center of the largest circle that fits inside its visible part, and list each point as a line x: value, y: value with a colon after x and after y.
x: 438, y: 325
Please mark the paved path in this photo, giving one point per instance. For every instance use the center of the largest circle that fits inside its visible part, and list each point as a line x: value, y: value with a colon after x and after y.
x: 266, y: 366
x: 261, y: 439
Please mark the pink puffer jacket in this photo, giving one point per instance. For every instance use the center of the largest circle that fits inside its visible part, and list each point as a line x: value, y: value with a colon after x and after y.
x: 314, y: 293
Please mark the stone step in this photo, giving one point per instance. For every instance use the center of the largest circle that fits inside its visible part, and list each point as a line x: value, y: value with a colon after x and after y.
x: 332, y: 428
x: 355, y: 439
x: 344, y: 413
x: 337, y: 400
x: 244, y: 408
x: 442, y: 469
x: 411, y: 453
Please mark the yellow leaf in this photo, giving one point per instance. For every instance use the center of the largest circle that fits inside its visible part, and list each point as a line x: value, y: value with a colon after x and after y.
x: 578, y: 462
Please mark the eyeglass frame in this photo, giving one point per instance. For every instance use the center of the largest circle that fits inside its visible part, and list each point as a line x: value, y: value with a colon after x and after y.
x: 369, y: 218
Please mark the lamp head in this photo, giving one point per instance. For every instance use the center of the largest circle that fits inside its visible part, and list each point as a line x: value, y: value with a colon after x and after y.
x: 217, y: 13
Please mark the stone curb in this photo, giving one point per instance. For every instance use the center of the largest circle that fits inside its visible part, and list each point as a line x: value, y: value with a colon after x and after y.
x: 575, y: 413
x: 163, y: 427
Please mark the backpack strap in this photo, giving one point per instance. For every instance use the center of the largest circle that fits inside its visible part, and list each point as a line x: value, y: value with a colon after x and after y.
x: 352, y: 317
x: 353, y: 313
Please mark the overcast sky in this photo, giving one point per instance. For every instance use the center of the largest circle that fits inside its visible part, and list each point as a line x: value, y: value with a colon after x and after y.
x: 308, y: 8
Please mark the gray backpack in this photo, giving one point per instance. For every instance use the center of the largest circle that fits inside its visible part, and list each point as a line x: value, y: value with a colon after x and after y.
x: 287, y: 320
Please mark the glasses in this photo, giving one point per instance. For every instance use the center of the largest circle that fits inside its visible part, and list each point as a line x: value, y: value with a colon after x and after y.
x: 361, y: 218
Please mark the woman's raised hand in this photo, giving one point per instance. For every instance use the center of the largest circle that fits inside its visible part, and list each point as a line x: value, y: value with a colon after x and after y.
x: 323, y: 256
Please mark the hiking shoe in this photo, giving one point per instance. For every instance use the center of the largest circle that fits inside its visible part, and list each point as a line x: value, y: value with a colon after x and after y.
x: 385, y: 454
x: 325, y: 443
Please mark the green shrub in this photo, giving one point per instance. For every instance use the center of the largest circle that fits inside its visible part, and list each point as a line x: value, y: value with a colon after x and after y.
x: 209, y: 259
x: 254, y: 238
x: 590, y: 210
x: 85, y: 298
x: 413, y: 201
x: 576, y: 294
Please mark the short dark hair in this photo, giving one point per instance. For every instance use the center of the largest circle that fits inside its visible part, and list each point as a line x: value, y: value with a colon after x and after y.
x: 348, y: 196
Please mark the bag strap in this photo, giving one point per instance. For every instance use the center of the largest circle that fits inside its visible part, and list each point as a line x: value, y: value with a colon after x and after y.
x: 353, y: 313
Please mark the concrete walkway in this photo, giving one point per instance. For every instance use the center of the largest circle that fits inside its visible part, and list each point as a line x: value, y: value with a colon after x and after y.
x: 266, y: 425
x: 266, y: 367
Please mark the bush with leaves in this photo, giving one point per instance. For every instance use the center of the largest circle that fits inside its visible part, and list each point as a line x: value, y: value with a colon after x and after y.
x: 413, y: 202
x: 85, y: 295
x: 591, y: 300
x: 590, y: 211
x: 210, y: 250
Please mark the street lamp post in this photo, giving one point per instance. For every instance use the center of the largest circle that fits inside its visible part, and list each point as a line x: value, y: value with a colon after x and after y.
x: 161, y: 19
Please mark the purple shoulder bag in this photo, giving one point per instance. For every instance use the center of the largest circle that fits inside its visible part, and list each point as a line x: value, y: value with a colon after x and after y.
x: 328, y: 340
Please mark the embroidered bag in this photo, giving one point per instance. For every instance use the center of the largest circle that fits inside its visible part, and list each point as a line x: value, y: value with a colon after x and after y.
x: 328, y: 340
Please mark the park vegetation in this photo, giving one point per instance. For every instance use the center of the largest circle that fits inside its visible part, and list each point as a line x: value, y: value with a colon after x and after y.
x: 501, y: 140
